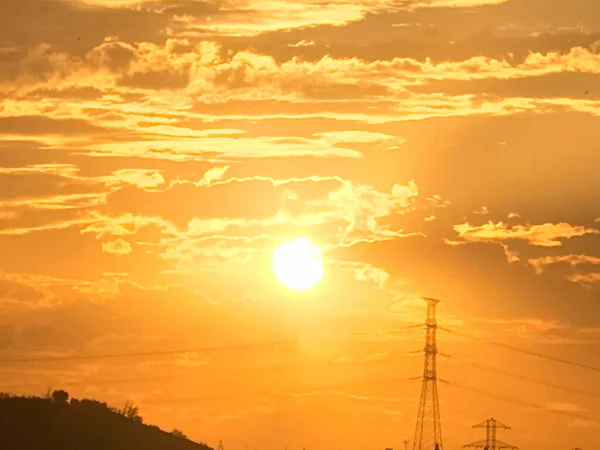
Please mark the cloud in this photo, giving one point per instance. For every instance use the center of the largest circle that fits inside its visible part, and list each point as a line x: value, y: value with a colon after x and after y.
x: 56, y: 225
x: 384, y: 141
x: 346, y: 144
x: 542, y: 262
x: 587, y: 279
x: 302, y: 43
x: 582, y: 267
x: 246, y: 85
x: 142, y: 178
x: 252, y: 17
x: 565, y: 407
x: 117, y: 247
x: 59, y: 202
x: 62, y: 170
x: 211, y: 175
x: 103, y: 226
x: 454, y: 3
x: 189, y: 149
x: 341, y: 214
x: 367, y: 272
x: 347, y: 212
x: 100, y: 225
x: 199, y: 70
x: 545, y: 235
x: 362, y: 206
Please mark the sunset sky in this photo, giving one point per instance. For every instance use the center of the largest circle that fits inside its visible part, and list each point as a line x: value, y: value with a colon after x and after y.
x: 154, y: 154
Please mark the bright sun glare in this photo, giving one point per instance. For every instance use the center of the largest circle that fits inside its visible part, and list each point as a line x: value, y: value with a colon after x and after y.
x: 298, y: 264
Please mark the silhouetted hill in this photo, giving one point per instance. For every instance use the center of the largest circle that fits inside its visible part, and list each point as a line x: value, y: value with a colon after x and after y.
x: 55, y: 423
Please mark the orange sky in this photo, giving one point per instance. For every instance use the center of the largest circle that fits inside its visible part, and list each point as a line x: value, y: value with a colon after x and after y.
x: 153, y: 154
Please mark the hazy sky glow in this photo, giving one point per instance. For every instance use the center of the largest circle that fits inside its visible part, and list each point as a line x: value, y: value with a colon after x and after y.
x: 153, y: 154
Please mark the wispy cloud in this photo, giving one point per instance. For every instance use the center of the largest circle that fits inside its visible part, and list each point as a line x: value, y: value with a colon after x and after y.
x: 544, y: 235
x: 117, y: 247
x: 542, y: 262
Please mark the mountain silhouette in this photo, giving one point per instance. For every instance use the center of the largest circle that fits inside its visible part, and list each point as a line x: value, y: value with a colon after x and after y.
x: 57, y: 423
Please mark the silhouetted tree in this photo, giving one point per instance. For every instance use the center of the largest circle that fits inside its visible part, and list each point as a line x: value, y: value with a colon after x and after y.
x: 178, y: 433
x: 61, y: 397
x: 131, y: 412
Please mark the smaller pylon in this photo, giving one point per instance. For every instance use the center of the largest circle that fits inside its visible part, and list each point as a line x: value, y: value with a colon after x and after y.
x: 490, y: 442
x: 220, y: 447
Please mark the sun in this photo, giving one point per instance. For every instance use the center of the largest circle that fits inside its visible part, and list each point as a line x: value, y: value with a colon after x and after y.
x: 298, y: 264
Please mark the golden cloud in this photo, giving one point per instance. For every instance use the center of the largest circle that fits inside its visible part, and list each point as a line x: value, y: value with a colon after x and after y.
x: 116, y: 65
x: 63, y: 170
x: 123, y: 225
x: 255, y: 86
x: 573, y: 260
x: 58, y: 202
x: 117, y: 247
x: 578, y: 262
x: 545, y: 235
x: 186, y: 149
x: 343, y: 216
x: 252, y: 17
x: 142, y: 178
x: 587, y: 279
x: 211, y: 175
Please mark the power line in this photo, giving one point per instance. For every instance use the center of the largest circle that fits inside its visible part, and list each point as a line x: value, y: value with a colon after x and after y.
x: 524, y: 351
x: 138, y: 354
x: 393, y: 330
x: 321, y: 389
x: 524, y: 378
x: 170, y: 352
x: 218, y: 372
x: 522, y: 403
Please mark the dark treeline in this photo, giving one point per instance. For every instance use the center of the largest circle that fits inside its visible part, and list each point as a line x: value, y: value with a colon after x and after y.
x: 56, y: 422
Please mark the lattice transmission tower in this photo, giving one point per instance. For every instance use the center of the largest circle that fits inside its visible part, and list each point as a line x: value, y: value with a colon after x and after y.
x: 490, y: 442
x: 428, y: 431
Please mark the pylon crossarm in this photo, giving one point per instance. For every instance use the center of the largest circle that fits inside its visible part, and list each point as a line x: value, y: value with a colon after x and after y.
x: 476, y: 444
x: 490, y: 442
x: 501, y: 425
x: 483, y: 424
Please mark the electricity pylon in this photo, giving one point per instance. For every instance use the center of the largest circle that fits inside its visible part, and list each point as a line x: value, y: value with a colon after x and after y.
x: 428, y: 431
x: 220, y: 447
x: 490, y: 442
